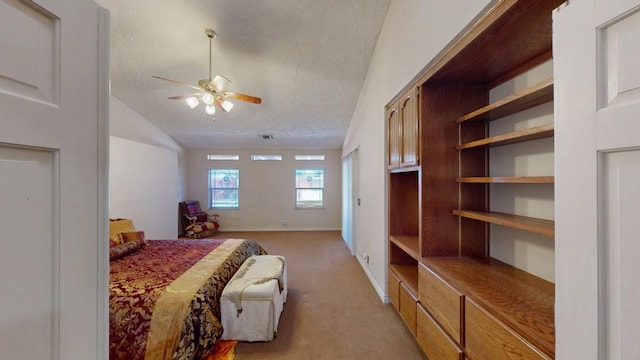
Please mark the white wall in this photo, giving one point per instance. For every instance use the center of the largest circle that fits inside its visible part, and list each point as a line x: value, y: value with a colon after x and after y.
x: 143, y: 183
x: 267, y: 190
x: 528, y: 251
x: 413, y: 33
x: 147, y: 173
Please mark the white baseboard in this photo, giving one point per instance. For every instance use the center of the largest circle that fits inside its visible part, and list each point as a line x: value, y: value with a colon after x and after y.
x: 230, y: 229
x: 376, y: 286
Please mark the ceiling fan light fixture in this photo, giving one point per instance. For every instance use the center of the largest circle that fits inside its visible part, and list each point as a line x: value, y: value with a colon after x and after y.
x: 211, y: 90
x: 227, y: 105
x: 192, y: 101
x: 207, y: 99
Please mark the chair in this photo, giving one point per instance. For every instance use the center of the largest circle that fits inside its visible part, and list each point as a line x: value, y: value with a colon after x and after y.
x: 195, y: 222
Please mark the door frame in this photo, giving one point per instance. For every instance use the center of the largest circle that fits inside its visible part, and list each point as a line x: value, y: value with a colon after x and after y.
x: 350, y: 181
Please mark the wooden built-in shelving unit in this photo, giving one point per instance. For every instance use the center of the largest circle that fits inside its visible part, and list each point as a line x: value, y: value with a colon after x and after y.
x: 452, y: 295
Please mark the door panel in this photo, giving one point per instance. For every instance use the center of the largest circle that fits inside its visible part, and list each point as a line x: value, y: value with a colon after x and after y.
x: 618, y: 80
x: 28, y: 255
x: 597, y: 97
x: 410, y: 132
x: 53, y: 180
x: 620, y: 285
x: 617, y: 129
x: 32, y: 72
x: 395, y: 136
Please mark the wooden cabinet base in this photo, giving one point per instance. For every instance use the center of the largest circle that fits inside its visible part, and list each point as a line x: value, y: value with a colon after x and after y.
x: 434, y: 341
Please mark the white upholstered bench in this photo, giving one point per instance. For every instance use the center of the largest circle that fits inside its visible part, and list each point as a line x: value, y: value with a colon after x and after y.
x: 252, y: 301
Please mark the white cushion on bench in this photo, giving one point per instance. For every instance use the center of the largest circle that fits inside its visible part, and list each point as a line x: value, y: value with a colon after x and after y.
x: 252, y: 301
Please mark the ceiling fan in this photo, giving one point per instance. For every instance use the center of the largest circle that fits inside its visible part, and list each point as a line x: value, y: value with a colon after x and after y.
x: 213, y: 91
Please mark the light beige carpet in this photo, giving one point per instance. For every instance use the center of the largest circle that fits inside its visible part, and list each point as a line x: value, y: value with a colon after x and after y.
x: 332, y: 310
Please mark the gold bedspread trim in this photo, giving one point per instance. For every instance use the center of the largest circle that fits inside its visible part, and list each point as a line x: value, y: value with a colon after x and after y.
x: 173, y: 304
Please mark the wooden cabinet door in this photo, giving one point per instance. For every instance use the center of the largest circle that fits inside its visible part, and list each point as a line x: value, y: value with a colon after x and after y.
x: 433, y: 340
x: 488, y: 338
x: 408, y: 108
x: 395, y: 135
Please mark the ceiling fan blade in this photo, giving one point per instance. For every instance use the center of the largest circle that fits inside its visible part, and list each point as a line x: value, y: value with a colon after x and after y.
x: 243, y: 97
x: 180, y: 97
x: 219, y: 83
x: 176, y: 82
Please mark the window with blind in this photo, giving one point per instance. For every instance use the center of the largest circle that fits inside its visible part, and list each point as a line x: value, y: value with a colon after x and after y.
x: 309, y: 188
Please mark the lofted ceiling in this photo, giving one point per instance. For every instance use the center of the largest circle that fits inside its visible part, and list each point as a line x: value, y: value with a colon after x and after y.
x: 306, y: 59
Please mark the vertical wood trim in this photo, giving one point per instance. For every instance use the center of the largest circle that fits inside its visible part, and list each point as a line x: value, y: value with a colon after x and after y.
x: 103, y: 185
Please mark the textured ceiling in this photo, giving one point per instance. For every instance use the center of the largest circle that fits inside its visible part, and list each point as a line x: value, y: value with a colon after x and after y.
x: 306, y: 59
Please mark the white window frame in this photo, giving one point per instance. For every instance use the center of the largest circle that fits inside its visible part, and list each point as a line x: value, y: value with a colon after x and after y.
x: 310, y: 204
x: 212, y: 189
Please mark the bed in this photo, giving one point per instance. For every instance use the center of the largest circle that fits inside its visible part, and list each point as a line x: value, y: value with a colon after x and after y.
x: 164, y: 296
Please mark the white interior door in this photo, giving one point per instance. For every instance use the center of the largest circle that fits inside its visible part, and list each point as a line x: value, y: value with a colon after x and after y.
x: 53, y: 180
x: 349, y: 198
x: 597, y: 97
x: 347, y: 207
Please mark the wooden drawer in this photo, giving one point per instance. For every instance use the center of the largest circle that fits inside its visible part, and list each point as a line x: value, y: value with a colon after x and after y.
x: 489, y: 338
x: 433, y: 340
x: 443, y: 302
x: 394, y: 290
x: 408, y: 303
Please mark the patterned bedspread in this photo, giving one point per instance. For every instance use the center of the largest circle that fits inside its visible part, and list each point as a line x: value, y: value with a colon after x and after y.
x: 164, y: 298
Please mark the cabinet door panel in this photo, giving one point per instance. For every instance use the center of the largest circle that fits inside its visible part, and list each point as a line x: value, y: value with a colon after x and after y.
x: 487, y: 338
x: 410, y: 127
x: 394, y: 290
x: 395, y: 136
x: 442, y: 301
x: 408, y: 303
x: 433, y: 340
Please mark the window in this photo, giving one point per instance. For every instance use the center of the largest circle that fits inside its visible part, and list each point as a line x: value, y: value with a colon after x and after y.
x: 266, y: 157
x: 223, y: 157
x: 223, y: 188
x: 309, y: 157
x: 309, y: 188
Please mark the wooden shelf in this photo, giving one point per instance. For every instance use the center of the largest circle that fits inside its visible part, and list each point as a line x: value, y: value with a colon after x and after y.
x: 539, y: 226
x: 507, y: 180
x: 408, y: 244
x: 521, y: 300
x: 534, y: 133
x: 404, y: 169
x: 526, y: 99
x: 408, y: 274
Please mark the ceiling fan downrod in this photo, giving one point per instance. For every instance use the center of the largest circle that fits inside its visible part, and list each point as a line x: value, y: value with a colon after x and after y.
x: 210, y: 34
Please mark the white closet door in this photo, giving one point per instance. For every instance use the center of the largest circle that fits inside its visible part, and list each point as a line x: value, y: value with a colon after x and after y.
x: 597, y: 147
x: 52, y: 180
